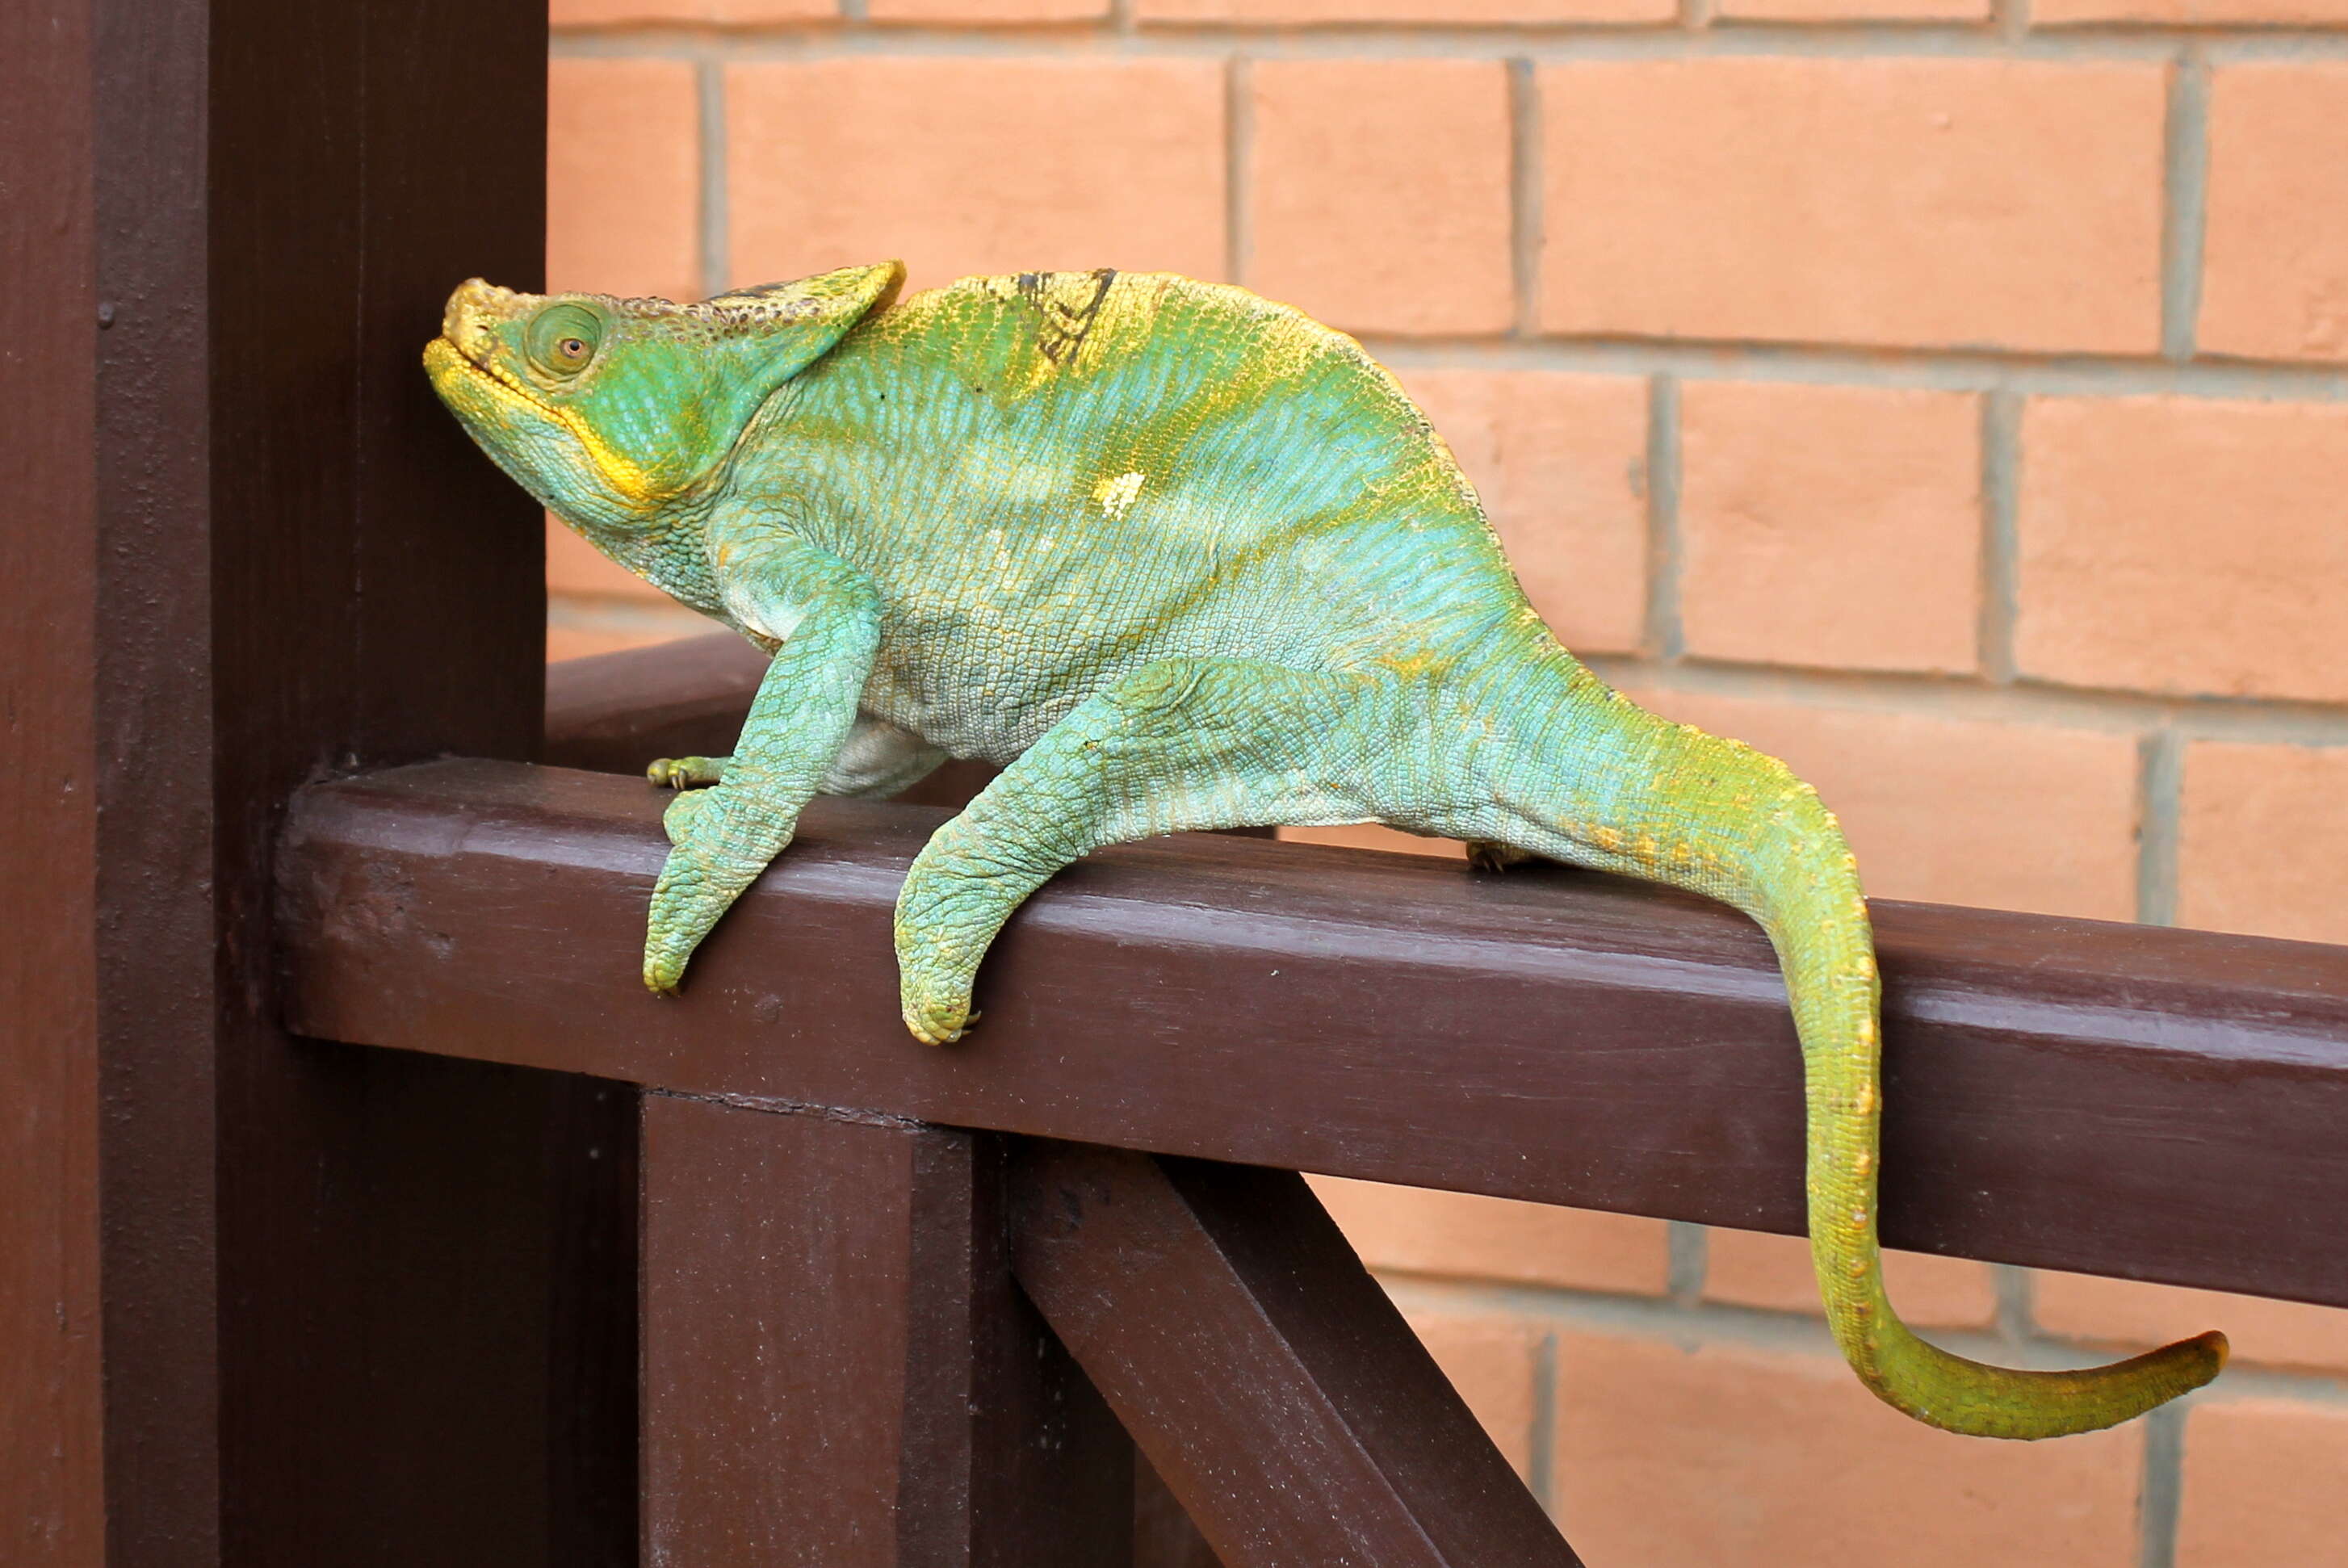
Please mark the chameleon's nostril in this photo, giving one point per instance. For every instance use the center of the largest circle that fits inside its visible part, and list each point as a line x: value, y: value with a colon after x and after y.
x: 465, y: 321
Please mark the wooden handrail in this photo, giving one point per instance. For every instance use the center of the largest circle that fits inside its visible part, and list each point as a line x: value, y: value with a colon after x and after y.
x: 941, y: 1306
x: 2116, y: 1099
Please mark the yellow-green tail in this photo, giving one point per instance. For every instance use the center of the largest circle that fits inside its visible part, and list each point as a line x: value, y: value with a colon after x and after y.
x: 1805, y: 891
x: 1672, y: 804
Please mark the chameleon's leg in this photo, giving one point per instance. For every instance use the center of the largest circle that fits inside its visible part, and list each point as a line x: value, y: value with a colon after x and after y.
x: 1179, y: 745
x: 825, y: 617
x: 686, y: 772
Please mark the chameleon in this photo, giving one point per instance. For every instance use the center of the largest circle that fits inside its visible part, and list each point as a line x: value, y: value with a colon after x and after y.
x: 1175, y: 557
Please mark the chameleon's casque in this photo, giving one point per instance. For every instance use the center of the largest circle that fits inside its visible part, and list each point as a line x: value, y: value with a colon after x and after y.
x: 1177, y: 557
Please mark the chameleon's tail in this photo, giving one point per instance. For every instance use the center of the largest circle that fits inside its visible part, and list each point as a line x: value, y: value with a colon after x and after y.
x: 1672, y: 804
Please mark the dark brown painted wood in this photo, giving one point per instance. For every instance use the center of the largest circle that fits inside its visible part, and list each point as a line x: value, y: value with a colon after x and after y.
x: 263, y: 555
x: 52, y: 1470
x: 386, y: 1235
x: 837, y: 1370
x: 1280, y: 1395
x: 2119, y: 1100
x: 592, y: 1141
x: 1163, y: 1535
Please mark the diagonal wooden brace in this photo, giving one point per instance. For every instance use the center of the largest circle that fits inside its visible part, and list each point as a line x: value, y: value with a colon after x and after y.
x: 1259, y: 1369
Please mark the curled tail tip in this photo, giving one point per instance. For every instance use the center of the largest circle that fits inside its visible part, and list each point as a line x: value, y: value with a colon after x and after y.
x: 1980, y: 1401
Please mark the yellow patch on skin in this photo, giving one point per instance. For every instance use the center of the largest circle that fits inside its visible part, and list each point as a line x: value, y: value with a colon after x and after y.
x: 1116, y: 495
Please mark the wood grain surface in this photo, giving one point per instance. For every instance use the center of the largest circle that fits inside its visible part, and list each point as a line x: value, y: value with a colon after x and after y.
x: 1285, y: 1403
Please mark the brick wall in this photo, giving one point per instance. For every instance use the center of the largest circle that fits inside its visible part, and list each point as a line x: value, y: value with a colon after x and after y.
x: 1950, y: 396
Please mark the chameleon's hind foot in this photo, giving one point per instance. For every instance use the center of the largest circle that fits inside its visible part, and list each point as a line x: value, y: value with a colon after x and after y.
x: 1491, y: 855
x: 686, y: 772
x: 933, y: 984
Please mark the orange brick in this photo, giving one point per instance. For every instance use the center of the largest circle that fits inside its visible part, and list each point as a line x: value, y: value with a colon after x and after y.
x: 1956, y: 810
x: 2264, y: 842
x: 2130, y: 1313
x: 2263, y: 1483
x: 950, y: 12
x: 1452, y: 13
x: 1561, y: 463
x: 2275, y: 259
x: 1830, y: 525
x: 970, y: 165
x: 623, y: 177
x: 1380, y: 193
x: 1751, y: 1268
x: 2183, y: 545
x: 1670, y: 1457
x: 1854, y: 10
x: 1855, y: 201
x: 620, y: 12
x: 1370, y: 836
x: 577, y: 568
x: 1412, y: 1229
x: 1489, y: 1361
x: 2189, y: 13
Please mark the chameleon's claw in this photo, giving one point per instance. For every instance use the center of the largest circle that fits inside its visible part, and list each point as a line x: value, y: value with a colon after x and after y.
x: 684, y: 772
x: 1491, y: 855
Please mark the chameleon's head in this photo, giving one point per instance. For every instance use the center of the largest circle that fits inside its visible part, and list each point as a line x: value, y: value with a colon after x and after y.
x: 611, y: 411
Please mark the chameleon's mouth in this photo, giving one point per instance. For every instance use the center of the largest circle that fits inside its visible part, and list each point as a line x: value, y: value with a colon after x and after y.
x: 445, y: 358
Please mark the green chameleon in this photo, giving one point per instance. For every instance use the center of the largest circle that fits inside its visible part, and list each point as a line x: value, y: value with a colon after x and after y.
x: 1176, y: 557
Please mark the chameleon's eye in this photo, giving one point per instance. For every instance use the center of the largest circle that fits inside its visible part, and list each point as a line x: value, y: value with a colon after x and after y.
x: 563, y: 338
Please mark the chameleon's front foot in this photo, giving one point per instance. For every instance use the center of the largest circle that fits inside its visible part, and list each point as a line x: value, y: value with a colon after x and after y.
x: 712, y: 859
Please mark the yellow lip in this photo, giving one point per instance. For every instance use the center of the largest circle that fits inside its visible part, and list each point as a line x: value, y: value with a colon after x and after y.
x: 444, y: 361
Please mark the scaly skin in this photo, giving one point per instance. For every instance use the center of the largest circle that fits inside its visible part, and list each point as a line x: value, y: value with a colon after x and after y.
x: 1177, y: 558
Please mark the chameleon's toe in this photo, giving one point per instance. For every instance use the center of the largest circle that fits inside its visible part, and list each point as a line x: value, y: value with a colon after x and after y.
x: 939, y: 1022
x: 684, y: 772
x: 664, y: 972
x: 1491, y: 855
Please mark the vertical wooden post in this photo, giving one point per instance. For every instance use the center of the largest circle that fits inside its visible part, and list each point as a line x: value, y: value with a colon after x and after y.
x: 245, y: 549
x: 52, y: 1473
x: 839, y: 1372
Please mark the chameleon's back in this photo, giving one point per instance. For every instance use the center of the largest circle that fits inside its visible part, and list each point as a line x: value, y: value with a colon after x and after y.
x: 1192, y: 463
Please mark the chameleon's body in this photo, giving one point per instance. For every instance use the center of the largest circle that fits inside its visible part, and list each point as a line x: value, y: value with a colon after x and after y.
x: 1178, y: 558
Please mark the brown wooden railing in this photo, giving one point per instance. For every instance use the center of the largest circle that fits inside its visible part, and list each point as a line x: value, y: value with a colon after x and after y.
x: 833, y: 1351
